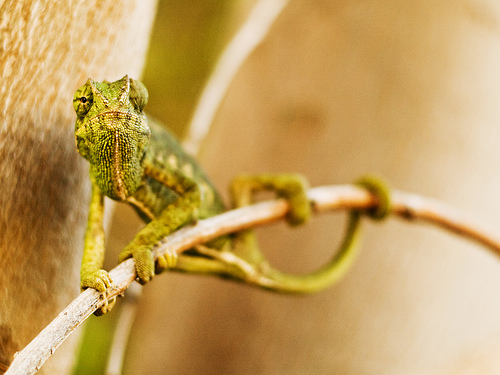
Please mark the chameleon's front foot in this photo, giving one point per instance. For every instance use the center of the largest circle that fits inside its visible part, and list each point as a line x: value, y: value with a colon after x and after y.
x: 145, y: 264
x: 102, y: 282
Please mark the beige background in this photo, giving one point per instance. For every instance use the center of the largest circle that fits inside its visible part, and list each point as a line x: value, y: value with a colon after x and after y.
x: 408, y: 90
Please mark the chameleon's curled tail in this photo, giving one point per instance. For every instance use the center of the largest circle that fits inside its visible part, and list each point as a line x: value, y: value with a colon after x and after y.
x: 258, y: 272
x: 326, y: 276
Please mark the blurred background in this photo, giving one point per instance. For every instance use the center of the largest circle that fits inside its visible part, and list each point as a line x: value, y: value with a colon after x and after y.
x: 338, y: 89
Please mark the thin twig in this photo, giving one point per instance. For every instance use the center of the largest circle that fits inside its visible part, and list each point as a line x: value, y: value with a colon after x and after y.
x: 410, y: 207
x: 327, y: 198
x: 414, y: 207
x: 249, y: 36
x: 120, y: 337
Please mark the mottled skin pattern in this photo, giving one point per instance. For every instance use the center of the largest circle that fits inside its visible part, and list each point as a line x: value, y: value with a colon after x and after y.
x: 134, y: 160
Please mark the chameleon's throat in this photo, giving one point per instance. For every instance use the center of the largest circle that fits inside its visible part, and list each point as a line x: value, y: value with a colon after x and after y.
x: 121, y: 190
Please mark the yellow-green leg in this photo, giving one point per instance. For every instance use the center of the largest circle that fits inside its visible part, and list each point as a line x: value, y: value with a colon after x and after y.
x: 91, y: 273
x: 177, y: 214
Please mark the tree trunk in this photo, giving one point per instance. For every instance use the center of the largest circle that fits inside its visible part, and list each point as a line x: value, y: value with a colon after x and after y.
x: 49, y: 49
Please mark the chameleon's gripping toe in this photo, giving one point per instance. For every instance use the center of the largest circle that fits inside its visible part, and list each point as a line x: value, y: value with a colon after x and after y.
x: 102, y: 282
x: 107, y: 307
x: 99, y: 280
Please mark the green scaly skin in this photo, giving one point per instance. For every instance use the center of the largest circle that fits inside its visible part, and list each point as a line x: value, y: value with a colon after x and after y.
x: 136, y: 161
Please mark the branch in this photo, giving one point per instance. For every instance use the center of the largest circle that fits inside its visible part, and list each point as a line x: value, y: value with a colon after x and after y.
x: 122, y: 330
x: 327, y: 198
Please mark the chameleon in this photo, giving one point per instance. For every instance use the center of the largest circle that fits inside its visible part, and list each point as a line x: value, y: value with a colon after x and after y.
x: 135, y: 160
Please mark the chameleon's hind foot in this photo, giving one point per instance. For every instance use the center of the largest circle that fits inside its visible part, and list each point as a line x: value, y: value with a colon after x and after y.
x: 166, y: 261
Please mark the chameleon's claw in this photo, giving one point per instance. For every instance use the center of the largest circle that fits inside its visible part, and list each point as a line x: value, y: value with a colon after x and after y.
x: 108, y: 305
x: 166, y: 261
x: 102, y: 282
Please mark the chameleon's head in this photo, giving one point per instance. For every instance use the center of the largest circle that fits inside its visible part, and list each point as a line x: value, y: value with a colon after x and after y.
x: 112, y: 133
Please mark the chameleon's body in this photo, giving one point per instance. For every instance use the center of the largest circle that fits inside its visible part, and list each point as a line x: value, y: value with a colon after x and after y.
x: 136, y: 161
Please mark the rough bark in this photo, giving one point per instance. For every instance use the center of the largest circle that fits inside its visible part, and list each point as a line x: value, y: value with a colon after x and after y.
x: 48, y: 49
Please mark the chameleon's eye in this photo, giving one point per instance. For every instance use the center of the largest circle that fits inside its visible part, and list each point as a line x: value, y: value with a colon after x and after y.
x: 83, y: 99
x: 138, y: 95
